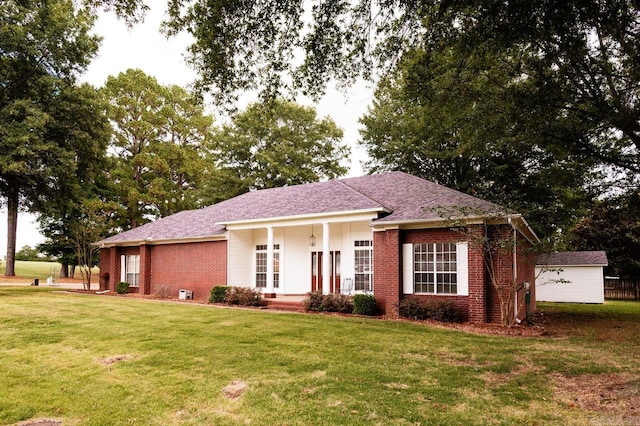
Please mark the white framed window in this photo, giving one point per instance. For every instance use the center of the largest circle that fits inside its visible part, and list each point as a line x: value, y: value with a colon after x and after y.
x: 130, y: 269
x: 436, y: 268
x: 363, y: 263
x: 261, y: 266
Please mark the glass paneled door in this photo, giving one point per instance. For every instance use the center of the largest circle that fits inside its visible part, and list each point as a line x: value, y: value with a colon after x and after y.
x: 316, y: 271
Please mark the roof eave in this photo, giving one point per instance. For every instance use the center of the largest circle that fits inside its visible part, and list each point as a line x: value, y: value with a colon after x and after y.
x: 160, y: 241
x: 303, y: 216
x: 520, y: 224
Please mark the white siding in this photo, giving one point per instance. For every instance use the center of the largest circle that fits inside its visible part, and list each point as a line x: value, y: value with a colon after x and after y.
x: 586, y: 286
x: 295, y: 254
x: 240, y: 258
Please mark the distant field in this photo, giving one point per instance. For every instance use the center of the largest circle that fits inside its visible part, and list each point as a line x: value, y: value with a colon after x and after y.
x: 30, y: 270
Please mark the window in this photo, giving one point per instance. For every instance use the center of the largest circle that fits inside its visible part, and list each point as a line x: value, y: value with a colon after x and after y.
x: 436, y: 268
x: 261, y: 266
x: 363, y: 262
x: 132, y: 270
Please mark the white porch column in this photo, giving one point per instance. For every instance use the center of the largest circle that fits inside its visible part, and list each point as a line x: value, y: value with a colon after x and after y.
x: 326, y: 259
x: 269, y: 288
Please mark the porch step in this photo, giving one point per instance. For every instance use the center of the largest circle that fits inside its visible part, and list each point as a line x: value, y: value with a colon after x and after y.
x: 284, y: 305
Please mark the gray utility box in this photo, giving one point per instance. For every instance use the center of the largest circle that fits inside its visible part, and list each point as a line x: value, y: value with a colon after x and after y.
x: 185, y: 294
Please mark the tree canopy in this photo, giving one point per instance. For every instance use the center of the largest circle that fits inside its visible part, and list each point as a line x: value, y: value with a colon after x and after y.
x: 159, y: 142
x: 613, y: 225
x: 46, y: 138
x: 277, y: 143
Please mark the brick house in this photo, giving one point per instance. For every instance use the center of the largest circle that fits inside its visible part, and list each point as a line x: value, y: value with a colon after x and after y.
x: 379, y: 234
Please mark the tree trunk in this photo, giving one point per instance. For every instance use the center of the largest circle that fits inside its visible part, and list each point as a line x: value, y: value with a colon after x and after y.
x: 64, y: 270
x: 12, y: 226
x: 71, y: 273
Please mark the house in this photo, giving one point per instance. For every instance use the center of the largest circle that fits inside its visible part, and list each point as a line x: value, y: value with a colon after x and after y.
x: 573, y: 276
x: 378, y: 234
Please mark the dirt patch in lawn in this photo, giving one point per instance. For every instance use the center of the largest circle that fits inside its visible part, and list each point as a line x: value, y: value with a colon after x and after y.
x: 617, y: 394
x: 114, y: 359
x: 41, y: 422
x: 235, y: 389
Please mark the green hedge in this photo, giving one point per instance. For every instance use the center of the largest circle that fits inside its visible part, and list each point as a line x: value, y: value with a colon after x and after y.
x: 421, y: 309
x: 364, y: 304
x: 218, y: 294
x: 122, y: 287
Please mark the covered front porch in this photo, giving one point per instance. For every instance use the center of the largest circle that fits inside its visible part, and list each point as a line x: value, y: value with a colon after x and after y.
x: 330, y: 254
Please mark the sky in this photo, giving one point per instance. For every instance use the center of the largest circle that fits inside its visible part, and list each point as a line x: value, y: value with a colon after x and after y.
x: 144, y: 47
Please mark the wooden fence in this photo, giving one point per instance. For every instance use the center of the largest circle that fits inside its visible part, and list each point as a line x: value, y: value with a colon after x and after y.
x: 621, y: 289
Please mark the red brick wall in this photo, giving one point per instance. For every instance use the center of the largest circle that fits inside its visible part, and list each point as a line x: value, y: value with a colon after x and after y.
x: 387, y: 270
x: 472, y: 307
x: 105, y: 268
x: 525, y: 271
x: 191, y: 266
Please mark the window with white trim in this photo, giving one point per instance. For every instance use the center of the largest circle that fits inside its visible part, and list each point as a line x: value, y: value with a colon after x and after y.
x: 363, y: 262
x: 132, y: 269
x: 436, y: 268
x: 261, y: 265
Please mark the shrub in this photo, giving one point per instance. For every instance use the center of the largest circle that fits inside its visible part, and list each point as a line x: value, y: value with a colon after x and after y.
x: 162, y: 292
x: 319, y: 302
x: 218, y: 294
x: 438, y: 310
x: 313, y: 301
x: 364, y: 304
x: 122, y: 287
x: 243, y: 296
x: 343, y: 304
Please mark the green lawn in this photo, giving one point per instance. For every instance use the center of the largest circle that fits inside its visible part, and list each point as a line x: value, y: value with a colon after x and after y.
x: 41, y: 270
x: 96, y: 360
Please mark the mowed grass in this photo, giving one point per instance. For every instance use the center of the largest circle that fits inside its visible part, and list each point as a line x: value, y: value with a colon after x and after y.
x: 95, y: 360
x: 29, y: 270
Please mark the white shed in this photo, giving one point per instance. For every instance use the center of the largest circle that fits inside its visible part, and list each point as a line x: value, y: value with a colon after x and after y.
x: 572, y: 276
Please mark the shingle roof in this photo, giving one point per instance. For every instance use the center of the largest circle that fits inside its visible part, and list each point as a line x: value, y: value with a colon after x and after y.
x: 573, y: 258
x: 402, y: 196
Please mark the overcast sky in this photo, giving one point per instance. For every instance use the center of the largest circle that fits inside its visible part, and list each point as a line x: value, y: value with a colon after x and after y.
x: 144, y: 47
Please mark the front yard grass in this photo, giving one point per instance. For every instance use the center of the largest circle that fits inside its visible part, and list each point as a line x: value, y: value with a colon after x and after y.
x: 95, y: 360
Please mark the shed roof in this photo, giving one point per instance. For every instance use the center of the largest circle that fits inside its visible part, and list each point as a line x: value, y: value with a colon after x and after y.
x: 397, y: 196
x: 573, y: 258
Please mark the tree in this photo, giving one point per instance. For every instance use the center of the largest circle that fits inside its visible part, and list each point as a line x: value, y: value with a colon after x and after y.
x: 613, y: 226
x: 43, y: 46
x: 159, y: 144
x: 28, y: 253
x: 94, y: 222
x: 476, y: 131
x: 581, y: 55
x: 278, y: 143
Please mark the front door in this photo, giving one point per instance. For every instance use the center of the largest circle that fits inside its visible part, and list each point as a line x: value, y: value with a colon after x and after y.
x: 316, y: 271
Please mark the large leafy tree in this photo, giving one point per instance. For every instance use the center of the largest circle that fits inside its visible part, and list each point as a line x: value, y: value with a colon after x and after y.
x: 580, y: 58
x: 614, y: 226
x: 277, y: 143
x: 81, y: 121
x: 158, y: 146
x: 43, y: 47
x: 478, y: 131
